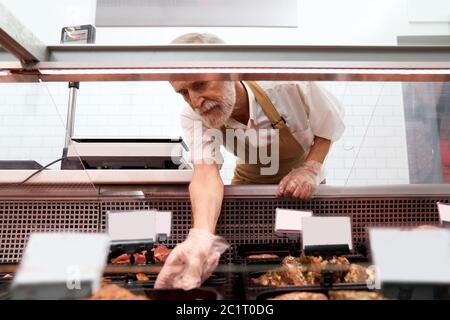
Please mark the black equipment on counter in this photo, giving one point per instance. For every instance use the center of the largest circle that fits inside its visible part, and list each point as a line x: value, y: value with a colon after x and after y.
x: 125, y: 153
x: 19, y: 165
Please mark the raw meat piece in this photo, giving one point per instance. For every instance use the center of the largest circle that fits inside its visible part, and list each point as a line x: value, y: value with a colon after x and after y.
x: 114, y: 292
x: 354, y: 295
x: 300, y: 296
x: 160, y: 253
x: 263, y: 256
x: 142, y: 277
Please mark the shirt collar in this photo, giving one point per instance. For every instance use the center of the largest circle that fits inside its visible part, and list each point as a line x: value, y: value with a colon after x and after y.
x: 251, y: 109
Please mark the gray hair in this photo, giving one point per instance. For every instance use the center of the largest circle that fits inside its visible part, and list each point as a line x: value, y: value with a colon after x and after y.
x: 197, y: 38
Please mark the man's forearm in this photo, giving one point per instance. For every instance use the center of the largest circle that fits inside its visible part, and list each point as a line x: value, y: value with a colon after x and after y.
x: 319, y: 150
x: 206, y: 192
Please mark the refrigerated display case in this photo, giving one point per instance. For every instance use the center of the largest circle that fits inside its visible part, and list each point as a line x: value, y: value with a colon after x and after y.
x: 59, y: 201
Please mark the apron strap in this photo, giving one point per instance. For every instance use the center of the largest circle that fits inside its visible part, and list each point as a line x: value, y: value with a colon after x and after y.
x: 269, y: 109
x: 290, y: 151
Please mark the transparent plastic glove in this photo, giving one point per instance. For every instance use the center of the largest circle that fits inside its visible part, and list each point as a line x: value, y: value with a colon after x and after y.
x: 301, y: 182
x: 192, y: 261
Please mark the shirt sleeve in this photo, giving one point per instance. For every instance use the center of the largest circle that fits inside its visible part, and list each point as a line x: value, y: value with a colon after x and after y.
x: 204, y: 143
x: 326, y: 115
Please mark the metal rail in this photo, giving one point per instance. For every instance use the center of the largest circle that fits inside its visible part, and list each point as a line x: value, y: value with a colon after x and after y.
x: 177, y: 191
x: 245, y: 62
x: 219, y: 62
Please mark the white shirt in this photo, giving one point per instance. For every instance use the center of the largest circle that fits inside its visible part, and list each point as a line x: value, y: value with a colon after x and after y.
x: 308, y: 109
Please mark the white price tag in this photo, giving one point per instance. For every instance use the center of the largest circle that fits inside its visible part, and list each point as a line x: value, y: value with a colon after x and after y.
x: 69, y: 258
x: 327, y: 231
x: 444, y: 212
x: 289, y: 221
x: 414, y: 256
x: 136, y: 225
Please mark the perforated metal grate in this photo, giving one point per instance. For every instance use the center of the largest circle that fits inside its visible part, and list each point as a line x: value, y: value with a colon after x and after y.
x: 250, y: 221
x: 243, y: 221
x: 18, y: 219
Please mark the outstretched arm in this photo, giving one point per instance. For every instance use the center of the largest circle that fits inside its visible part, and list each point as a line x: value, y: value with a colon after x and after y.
x: 206, y: 192
x: 194, y: 260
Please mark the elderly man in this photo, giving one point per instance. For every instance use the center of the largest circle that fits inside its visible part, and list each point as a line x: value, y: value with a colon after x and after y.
x: 301, y: 119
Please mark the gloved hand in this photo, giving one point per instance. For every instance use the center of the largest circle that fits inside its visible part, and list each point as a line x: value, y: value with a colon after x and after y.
x: 192, y: 261
x: 301, y: 182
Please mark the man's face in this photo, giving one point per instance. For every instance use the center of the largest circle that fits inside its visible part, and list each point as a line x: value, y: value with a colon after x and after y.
x: 212, y: 100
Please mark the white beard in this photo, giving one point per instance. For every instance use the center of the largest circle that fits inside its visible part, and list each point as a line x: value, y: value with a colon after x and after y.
x: 218, y: 112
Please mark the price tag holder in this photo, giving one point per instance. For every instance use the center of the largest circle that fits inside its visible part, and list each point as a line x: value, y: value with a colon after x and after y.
x: 411, y: 256
x: 61, y: 266
x: 327, y: 235
x: 289, y: 222
x: 444, y: 213
x: 145, y: 225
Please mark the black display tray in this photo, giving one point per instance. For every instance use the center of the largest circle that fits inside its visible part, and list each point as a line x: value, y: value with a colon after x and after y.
x: 130, y: 280
x: 146, y: 289
x: 211, y: 289
x: 203, y: 293
x: 282, y: 250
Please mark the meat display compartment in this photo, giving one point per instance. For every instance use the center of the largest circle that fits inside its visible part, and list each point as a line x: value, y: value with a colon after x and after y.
x: 252, y: 290
x: 142, y: 251
x: 206, y: 292
x: 282, y: 250
x: 130, y: 280
x: 257, y: 267
x: 227, y: 284
x: 273, y: 292
x: 203, y: 293
x: 221, y: 285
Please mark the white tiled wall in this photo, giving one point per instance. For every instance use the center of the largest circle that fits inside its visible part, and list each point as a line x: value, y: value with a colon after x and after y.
x: 32, y: 124
x: 373, y: 148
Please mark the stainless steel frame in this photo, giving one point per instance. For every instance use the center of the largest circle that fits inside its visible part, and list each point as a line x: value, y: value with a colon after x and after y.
x: 180, y: 191
x: 269, y: 191
x: 107, y: 56
x: 163, y: 73
x: 226, y: 62
x: 18, y: 40
x: 71, y: 111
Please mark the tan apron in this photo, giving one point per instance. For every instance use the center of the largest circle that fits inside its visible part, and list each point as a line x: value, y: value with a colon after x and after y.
x: 291, y: 154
